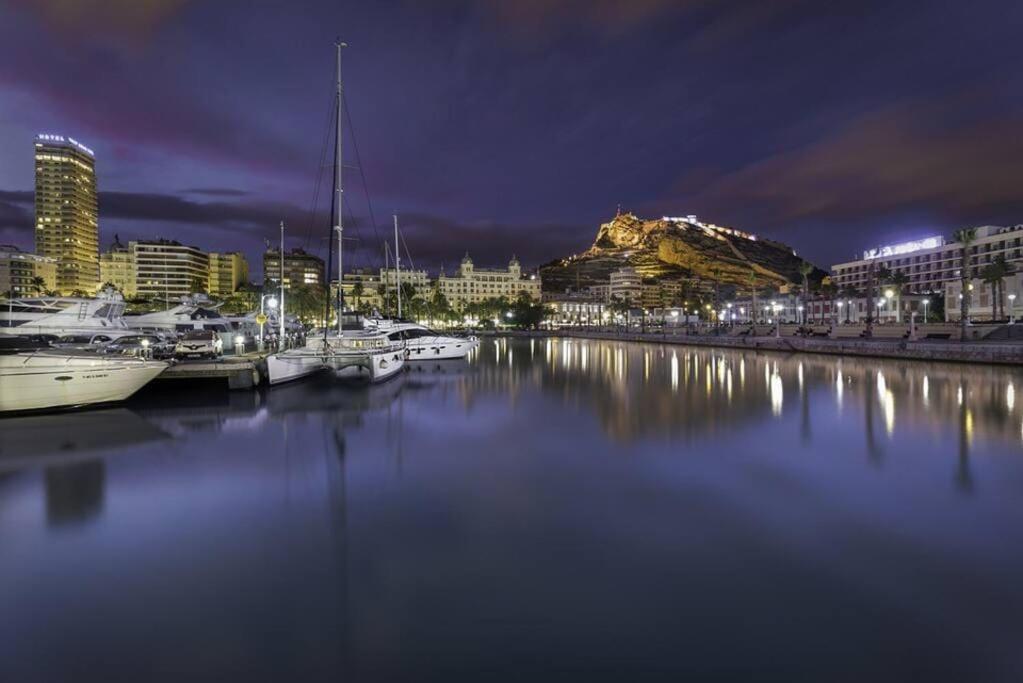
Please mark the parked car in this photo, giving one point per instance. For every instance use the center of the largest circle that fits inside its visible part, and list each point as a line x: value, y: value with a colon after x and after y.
x: 199, y: 344
x: 152, y: 345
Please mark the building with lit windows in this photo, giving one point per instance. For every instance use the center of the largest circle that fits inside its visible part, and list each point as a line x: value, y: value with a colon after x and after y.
x: 932, y: 266
x: 168, y: 269
x: 300, y: 269
x: 116, y: 267
x: 475, y: 285
x: 19, y: 270
x: 626, y: 285
x: 228, y: 271
x: 67, y: 222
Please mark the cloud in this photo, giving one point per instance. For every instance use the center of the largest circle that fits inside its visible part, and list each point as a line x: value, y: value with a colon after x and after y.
x: 960, y: 159
x: 436, y: 240
x: 216, y: 191
x: 80, y: 19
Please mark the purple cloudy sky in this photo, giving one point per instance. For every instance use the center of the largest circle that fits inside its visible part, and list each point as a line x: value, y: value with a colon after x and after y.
x: 500, y: 126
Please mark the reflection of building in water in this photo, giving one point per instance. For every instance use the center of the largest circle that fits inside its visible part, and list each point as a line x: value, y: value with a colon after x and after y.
x: 74, y: 492
x: 649, y: 389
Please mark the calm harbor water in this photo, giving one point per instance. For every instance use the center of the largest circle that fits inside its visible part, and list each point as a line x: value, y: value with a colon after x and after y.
x: 550, y: 509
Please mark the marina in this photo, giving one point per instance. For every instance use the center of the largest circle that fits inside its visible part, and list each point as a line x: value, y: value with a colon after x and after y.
x: 542, y: 492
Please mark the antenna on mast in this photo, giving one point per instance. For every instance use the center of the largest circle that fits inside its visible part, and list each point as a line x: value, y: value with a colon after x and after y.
x: 397, y: 264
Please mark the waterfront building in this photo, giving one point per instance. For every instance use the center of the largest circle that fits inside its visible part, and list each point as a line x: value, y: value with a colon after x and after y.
x: 983, y: 299
x: 932, y: 266
x: 419, y: 279
x: 117, y: 268
x: 19, y: 270
x: 626, y: 285
x: 228, y: 271
x: 361, y: 297
x: 932, y: 262
x: 472, y: 285
x: 169, y: 269
x: 66, y: 211
x: 300, y: 269
x: 576, y: 308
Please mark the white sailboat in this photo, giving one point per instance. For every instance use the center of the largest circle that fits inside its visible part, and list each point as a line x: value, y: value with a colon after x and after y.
x: 291, y: 364
x: 356, y: 352
x: 43, y: 379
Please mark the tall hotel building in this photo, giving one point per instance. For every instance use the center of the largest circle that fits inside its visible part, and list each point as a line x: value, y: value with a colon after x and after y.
x: 67, y: 227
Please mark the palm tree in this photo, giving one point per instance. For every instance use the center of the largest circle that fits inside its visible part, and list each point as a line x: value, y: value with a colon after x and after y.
x: 805, y: 268
x: 1001, y: 270
x: 38, y: 284
x: 899, y: 280
x: 965, y: 237
x: 990, y: 276
x: 849, y: 293
x: 868, y: 332
x: 357, y: 291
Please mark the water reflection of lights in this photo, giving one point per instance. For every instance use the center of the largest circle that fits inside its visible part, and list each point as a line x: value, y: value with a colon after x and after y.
x: 799, y: 374
x: 674, y: 372
x: 1010, y: 396
x: 887, y: 403
x: 777, y: 391
x: 583, y: 354
x: 959, y: 395
x: 926, y: 389
x: 839, y: 388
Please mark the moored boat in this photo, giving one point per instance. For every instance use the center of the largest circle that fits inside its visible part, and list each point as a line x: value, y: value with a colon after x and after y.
x: 46, y: 378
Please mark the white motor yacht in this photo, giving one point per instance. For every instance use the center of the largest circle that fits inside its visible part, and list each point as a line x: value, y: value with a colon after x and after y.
x: 99, y: 318
x: 195, y: 312
x: 424, y: 343
x: 46, y: 378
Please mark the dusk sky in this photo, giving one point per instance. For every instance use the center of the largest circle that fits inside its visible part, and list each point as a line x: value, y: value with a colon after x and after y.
x: 497, y: 127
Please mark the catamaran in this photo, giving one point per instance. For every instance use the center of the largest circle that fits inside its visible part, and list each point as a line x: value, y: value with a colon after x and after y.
x: 352, y: 350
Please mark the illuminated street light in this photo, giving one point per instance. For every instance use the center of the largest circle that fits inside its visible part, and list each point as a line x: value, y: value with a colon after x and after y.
x: 926, y: 303
x: 1012, y: 306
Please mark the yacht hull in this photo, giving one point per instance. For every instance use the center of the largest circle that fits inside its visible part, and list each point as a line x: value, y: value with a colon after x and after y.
x: 371, y: 366
x: 292, y: 365
x: 43, y: 381
x: 440, y: 348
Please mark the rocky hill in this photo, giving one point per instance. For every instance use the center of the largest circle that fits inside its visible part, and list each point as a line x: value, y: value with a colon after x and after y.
x: 677, y: 249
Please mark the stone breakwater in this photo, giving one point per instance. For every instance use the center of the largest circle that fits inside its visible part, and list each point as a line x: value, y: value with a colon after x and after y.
x: 946, y: 351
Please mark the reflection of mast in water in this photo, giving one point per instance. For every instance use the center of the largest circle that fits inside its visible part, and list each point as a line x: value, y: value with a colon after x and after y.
x: 337, y: 502
x: 804, y: 409
x: 964, y: 478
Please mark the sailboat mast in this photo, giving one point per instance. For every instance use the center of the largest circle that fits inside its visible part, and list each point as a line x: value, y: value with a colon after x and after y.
x: 397, y: 264
x: 280, y: 313
x: 339, y: 227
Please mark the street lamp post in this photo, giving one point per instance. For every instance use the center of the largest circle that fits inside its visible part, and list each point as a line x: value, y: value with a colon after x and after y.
x: 838, y: 314
x: 271, y: 301
x: 1012, y: 312
x: 888, y: 294
x: 926, y: 303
